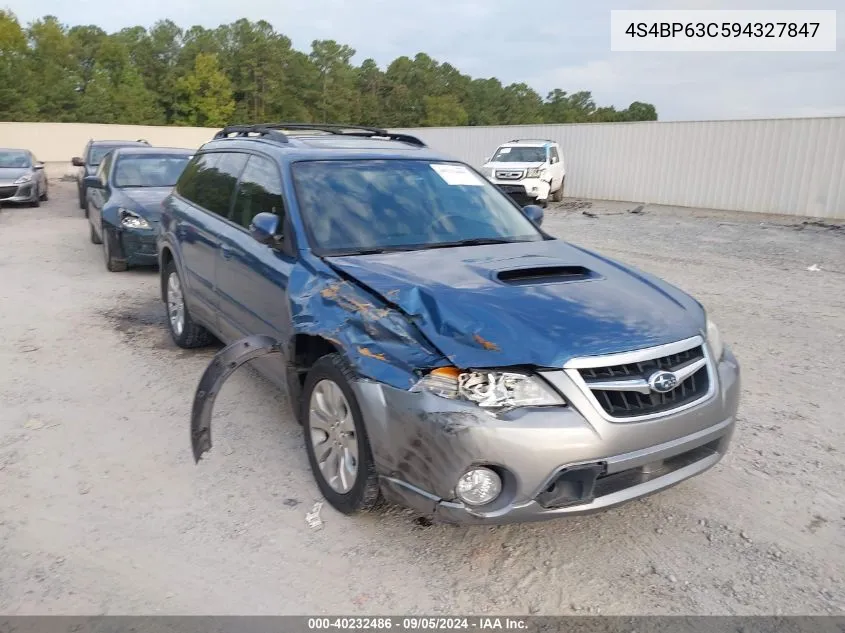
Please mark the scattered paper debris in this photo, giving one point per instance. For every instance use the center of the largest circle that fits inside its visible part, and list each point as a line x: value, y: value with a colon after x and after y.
x: 814, y: 268
x: 312, y: 519
x: 33, y: 425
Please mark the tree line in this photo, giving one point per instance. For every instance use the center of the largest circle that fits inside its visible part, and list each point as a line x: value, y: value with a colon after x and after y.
x: 248, y: 72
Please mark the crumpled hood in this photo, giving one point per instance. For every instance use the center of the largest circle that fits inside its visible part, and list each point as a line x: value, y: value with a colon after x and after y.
x: 458, y: 300
x: 146, y: 200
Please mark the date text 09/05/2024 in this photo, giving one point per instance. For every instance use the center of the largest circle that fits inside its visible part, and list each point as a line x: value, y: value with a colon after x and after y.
x: 388, y: 623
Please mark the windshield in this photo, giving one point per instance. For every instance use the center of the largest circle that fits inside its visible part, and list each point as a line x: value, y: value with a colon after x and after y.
x: 98, y: 152
x: 520, y: 155
x: 149, y: 170
x: 14, y: 160
x: 359, y: 205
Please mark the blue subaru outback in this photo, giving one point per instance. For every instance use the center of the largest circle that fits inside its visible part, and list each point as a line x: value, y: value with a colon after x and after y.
x: 439, y: 348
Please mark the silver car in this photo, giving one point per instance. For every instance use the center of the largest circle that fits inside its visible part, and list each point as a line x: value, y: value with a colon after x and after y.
x: 22, y: 178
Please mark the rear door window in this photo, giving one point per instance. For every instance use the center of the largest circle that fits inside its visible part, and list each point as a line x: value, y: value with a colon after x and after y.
x: 209, y: 180
x: 260, y: 190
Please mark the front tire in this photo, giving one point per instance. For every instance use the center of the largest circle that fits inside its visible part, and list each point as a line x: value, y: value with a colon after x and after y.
x: 113, y: 263
x: 557, y: 196
x: 82, y: 204
x: 95, y: 239
x: 335, y: 438
x: 36, y: 199
x: 184, y: 332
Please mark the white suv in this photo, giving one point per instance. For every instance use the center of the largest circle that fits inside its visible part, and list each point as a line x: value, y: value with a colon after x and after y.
x: 529, y: 171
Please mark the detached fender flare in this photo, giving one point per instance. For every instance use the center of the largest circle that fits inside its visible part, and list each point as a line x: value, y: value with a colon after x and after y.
x: 223, y: 365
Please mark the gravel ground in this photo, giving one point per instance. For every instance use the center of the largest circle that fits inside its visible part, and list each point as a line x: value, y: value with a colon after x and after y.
x: 103, y: 511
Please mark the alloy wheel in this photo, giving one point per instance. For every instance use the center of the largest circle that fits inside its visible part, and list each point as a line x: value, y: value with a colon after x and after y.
x: 175, y: 304
x: 333, y: 437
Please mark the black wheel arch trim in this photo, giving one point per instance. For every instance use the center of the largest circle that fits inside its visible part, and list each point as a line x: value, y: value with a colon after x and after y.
x: 223, y: 365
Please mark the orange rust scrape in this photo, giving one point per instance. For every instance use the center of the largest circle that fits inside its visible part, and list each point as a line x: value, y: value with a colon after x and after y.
x: 332, y: 293
x: 365, y: 351
x: 491, y: 347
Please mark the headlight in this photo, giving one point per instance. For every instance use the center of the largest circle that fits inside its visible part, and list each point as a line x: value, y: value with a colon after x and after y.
x: 490, y: 389
x: 132, y: 220
x: 533, y: 172
x: 23, y: 179
x: 714, y: 340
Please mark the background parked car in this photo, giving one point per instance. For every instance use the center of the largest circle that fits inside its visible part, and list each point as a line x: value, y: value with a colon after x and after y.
x: 22, y: 177
x: 528, y: 171
x: 125, y: 201
x: 91, y: 159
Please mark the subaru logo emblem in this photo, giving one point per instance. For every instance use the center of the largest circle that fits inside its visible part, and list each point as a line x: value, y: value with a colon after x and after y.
x: 663, y: 381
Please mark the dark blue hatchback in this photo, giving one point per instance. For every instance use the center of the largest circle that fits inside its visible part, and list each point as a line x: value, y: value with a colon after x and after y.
x: 438, y: 347
x: 123, y: 202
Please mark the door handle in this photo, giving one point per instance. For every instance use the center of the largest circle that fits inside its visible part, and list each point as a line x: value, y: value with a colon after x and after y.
x: 226, y: 252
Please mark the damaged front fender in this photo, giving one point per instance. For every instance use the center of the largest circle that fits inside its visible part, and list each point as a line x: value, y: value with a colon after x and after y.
x: 224, y: 364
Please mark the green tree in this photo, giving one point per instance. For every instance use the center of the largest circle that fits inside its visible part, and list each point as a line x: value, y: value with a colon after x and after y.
x: 204, y: 96
x: 247, y: 71
x: 16, y: 77
x: 57, y: 74
x: 337, y: 99
x: 445, y: 111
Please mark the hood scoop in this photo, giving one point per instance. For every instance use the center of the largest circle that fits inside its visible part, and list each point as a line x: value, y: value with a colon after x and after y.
x: 545, y: 275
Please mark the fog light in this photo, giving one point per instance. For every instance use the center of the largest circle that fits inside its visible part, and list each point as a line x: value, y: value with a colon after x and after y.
x: 478, y: 486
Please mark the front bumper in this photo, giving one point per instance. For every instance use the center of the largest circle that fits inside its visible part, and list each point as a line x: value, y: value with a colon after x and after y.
x: 422, y: 444
x: 136, y: 246
x: 524, y: 191
x: 17, y: 193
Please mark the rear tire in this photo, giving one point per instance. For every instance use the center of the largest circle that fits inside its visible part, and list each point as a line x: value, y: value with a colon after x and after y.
x: 333, y: 425
x: 184, y: 332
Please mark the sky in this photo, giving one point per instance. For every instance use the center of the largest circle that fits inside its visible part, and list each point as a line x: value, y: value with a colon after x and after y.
x: 545, y: 43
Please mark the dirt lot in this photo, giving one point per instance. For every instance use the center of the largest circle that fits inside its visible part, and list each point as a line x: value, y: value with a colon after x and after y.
x: 103, y: 511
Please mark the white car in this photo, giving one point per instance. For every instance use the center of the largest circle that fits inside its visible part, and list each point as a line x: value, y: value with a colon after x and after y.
x: 530, y: 171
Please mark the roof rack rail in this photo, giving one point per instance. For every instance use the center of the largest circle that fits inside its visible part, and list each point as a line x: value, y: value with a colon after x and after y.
x: 531, y: 140
x: 274, y: 131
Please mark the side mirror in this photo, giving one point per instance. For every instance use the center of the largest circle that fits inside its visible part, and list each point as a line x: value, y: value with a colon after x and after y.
x: 77, y: 162
x: 93, y: 182
x: 534, y: 213
x: 264, y: 228
x: 38, y: 165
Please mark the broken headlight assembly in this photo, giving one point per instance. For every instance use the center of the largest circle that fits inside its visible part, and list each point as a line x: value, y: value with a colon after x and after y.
x: 131, y: 220
x: 490, y: 389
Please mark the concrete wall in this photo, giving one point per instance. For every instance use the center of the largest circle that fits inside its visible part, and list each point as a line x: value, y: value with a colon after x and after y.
x: 790, y: 166
x: 57, y: 143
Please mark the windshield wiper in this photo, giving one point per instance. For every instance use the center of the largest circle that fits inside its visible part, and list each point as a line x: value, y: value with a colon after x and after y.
x: 372, y: 251
x: 477, y: 241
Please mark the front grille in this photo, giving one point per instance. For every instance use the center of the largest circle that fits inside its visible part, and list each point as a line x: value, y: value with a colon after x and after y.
x: 8, y: 192
x: 509, y: 174
x: 634, y: 403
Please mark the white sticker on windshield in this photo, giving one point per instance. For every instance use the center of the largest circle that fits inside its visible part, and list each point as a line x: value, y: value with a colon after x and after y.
x: 457, y: 175
x: 504, y: 150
